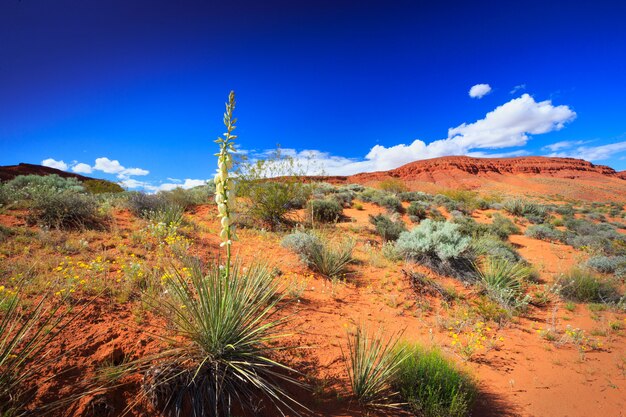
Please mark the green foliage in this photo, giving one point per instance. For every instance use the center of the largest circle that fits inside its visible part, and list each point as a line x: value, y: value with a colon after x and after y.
x: 503, y: 227
x: 169, y: 215
x: 142, y: 204
x: 535, y: 213
x: 372, y: 364
x: 432, y: 386
x: 388, y: 229
x: 189, y: 198
x: 503, y: 281
x: 224, y: 330
x: 543, y: 232
x: 417, y: 211
x: 464, y: 201
x: 102, y: 186
x: 436, y: 239
x: 324, y: 211
x: 584, y: 286
x: 271, y: 188
x: 493, y: 246
x: 328, y: 258
x: 439, y: 246
x: 25, y: 336
x: 392, y: 185
x: 607, y: 264
x: 382, y: 198
x: 66, y: 210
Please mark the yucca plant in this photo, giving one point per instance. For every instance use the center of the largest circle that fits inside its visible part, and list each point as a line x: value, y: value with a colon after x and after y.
x: 223, y: 331
x: 502, y: 279
x: 25, y: 335
x: 224, y: 326
x: 372, y: 363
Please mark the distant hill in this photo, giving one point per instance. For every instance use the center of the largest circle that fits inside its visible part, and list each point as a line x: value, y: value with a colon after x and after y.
x: 95, y: 185
x: 531, y: 175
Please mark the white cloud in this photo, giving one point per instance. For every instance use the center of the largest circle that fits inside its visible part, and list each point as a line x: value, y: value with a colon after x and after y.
x: 52, y: 163
x: 566, y: 144
x: 188, y: 183
x: 593, y: 153
x: 133, y: 183
x: 109, y: 166
x: 479, y: 90
x: 509, y: 125
x: 82, y: 168
x: 518, y: 88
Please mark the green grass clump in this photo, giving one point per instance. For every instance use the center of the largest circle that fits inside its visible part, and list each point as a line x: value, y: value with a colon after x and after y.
x: 431, y: 385
x: 582, y: 285
x: 372, y: 363
x: 503, y: 279
x: 328, y: 258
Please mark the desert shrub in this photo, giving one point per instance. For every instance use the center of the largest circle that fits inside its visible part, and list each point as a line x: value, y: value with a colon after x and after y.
x: 271, y: 188
x: 391, y: 203
x: 392, y: 185
x: 468, y: 226
x: 66, y: 210
x: 328, y: 258
x: 344, y: 198
x: 171, y: 215
x: 386, y: 228
x: 29, y: 187
x: 432, y: 386
x: 535, y: 213
x: 595, y: 216
x: 372, y: 364
x: 607, y: 264
x: 462, y: 200
x: 602, y: 238
x: 490, y: 245
x: 142, y: 204
x: 355, y: 188
x: 101, y: 187
x: 502, y: 280
x: 323, y: 189
x: 224, y: 328
x: 188, y: 198
x: 565, y: 210
x: 325, y: 211
x: 438, y: 245
x: 370, y: 195
x: 503, y: 227
x: 388, y: 249
x: 436, y: 215
x: 302, y: 242
x: 543, y: 232
x: 583, y: 285
x: 410, y: 196
x: 417, y: 211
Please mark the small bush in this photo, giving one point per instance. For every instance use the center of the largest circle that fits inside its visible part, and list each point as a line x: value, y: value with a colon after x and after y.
x: 606, y: 264
x: 102, y: 187
x: 437, y: 239
x: 584, y: 286
x: 392, y: 185
x: 417, y: 211
x: 535, y: 213
x: 391, y: 203
x: 432, y: 386
x: 188, y: 198
x: 170, y: 216
x: 142, y: 204
x: 438, y: 245
x: 328, y: 258
x: 325, y: 211
x: 66, y: 210
x: 386, y: 228
x: 543, y: 232
x: 503, y: 227
x: 411, y: 196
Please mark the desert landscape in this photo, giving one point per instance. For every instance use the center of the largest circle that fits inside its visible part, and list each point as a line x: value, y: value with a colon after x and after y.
x: 509, y: 271
x: 312, y: 208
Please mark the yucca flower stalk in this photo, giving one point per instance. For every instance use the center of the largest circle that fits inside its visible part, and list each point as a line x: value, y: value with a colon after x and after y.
x: 224, y: 188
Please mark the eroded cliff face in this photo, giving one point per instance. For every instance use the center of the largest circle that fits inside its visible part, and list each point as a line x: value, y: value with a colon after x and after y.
x: 531, y: 165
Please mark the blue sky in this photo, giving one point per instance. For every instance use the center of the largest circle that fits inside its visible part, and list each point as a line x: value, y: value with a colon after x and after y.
x: 134, y: 90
